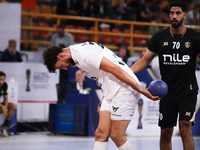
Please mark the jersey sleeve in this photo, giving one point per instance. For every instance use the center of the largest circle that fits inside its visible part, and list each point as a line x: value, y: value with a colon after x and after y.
x: 5, y: 89
x: 153, y: 44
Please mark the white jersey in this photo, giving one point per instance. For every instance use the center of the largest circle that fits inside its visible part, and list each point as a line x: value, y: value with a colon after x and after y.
x: 88, y: 56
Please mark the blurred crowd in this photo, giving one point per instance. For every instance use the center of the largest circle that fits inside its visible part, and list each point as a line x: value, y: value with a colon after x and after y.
x: 132, y: 10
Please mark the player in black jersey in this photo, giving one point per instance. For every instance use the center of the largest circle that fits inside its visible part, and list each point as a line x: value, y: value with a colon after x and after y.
x: 177, y: 48
x: 7, y: 108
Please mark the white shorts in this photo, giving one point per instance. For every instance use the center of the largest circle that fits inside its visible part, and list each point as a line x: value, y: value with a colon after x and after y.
x: 123, y: 104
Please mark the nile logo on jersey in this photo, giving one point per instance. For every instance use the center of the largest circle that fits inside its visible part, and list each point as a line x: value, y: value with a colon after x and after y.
x: 175, y: 59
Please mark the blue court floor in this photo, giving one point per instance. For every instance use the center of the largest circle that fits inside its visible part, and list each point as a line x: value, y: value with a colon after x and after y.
x: 44, y: 141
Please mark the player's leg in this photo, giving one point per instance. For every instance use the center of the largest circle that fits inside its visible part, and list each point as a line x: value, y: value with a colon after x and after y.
x: 118, y: 129
x: 186, y: 120
x: 11, y: 110
x: 165, y: 138
x: 122, y: 109
x: 103, y: 130
x: 167, y: 120
x: 186, y: 134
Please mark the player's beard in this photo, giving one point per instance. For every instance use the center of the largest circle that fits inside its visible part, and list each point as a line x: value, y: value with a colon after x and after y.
x: 71, y: 61
x: 178, y: 24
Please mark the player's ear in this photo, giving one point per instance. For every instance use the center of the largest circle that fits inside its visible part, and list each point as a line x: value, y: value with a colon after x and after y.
x: 185, y: 15
x: 60, y: 56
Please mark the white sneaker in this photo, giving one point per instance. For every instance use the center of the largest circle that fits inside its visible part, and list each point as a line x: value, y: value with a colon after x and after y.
x: 4, y: 132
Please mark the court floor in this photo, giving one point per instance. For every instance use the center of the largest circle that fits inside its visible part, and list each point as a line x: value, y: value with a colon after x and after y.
x: 44, y: 141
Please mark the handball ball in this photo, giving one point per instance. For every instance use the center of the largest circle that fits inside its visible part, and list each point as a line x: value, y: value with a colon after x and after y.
x: 158, y: 88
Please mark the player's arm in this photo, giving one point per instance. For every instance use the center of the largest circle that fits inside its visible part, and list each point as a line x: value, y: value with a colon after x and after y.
x: 108, y: 66
x: 143, y: 62
x: 3, y: 110
x: 5, y: 101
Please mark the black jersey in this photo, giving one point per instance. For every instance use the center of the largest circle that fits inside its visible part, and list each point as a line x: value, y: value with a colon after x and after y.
x: 177, y: 59
x: 3, y: 89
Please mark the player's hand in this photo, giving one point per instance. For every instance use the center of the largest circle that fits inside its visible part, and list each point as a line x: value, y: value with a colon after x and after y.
x: 146, y: 93
x: 3, y: 110
x: 99, y: 106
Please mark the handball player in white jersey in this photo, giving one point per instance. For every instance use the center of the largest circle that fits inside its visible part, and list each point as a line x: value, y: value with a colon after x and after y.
x: 120, y: 87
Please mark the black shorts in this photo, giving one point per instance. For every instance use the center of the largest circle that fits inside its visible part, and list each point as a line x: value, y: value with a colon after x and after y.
x: 171, y: 107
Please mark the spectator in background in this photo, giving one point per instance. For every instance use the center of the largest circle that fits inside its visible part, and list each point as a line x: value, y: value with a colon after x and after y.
x: 6, y: 107
x: 68, y: 7
x: 122, y: 53
x: 62, y: 38
x: 85, y: 9
x: 11, y: 54
x: 198, y: 63
x: 145, y: 13
x: 78, y: 85
x: 121, y: 11
x: 193, y: 16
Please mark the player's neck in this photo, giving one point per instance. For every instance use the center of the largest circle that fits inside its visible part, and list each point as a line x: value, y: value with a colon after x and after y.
x: 180, y: 30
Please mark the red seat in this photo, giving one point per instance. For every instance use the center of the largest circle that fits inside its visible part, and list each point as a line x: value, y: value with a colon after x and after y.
x: 116, y: 39
x: 91, y: 37
x: 35, y: 33
x: 140, y: 41
x: 126, y: 39
x: 105, y: 38
x: 44, y: 34
x: 81, y: 36
x: 69, y: 26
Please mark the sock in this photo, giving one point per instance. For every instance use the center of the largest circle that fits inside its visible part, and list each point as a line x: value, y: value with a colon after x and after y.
x: 100, y: 145
x: 5, y: 124
x: 126, y: 146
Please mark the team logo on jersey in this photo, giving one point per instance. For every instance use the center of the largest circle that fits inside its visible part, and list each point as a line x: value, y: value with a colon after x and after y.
x: 165, y: 44
x: 161, y: 116
x: 115, y: 108
x: 188, y: 113
x: 187, y: 44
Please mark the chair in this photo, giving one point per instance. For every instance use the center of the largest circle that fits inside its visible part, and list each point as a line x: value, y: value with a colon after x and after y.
x: 116, y: 39
x: 46, y: 9
x: 91, y: 36
x: 126, y: 39
x: 69, y: 26
x: 81, y: 36
x: 105, y: 38
x: 44, y: 34
x: 35, y: 33
x: 140, y: 41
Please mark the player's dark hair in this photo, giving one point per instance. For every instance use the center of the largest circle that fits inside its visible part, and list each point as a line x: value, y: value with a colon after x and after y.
x: 50, y: 57
x: 2, y: 74
x: 181, y: 4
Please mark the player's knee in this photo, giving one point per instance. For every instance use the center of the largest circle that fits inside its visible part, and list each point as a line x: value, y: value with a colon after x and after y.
x: 12, y: 106
x: 101, y: 134
x: 115, y: 136
x: 166, y: 133
x: 185, y: 128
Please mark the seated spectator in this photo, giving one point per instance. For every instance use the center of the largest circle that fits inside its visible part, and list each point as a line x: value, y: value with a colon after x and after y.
x: 193, y: 16
x: 162, y: 15
x: 68, y: 7
x: 121, y: 11
x: 198, y: 62
x: 123, y: 53
x: 85, y: 9
x: 6, y: 107
x: 62, y: 38
x: 145, y: 13
x: 11, y: 54
x: 78, y: 85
